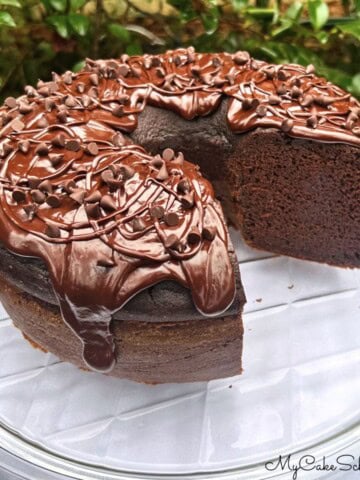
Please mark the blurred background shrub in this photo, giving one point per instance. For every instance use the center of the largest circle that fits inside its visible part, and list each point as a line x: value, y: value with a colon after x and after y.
x: 41, y: 36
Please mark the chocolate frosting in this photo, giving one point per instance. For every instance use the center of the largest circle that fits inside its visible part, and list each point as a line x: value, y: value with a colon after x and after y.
x: 110, y: 220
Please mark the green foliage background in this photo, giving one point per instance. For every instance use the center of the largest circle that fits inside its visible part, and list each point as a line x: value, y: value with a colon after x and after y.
x: 41, y: 36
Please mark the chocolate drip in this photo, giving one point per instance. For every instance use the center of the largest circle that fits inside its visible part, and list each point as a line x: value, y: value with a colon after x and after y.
x: 110, y: 220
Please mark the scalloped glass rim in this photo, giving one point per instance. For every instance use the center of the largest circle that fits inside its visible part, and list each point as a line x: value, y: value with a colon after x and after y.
x: 40, y: 457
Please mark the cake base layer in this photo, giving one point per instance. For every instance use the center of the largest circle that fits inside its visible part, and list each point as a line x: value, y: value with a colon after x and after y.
x: 147, y: 352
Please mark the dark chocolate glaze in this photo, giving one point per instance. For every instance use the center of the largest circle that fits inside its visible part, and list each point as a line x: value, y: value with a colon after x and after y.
x: 108, y: 219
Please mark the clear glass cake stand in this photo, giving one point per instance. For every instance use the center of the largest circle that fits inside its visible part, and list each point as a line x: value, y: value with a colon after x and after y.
x: 299, y: 393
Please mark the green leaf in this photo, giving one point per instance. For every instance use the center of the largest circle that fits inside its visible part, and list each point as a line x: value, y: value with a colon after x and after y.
x: 294, y: 12
x: 355, y: 85
x: 7, y: 20
x: 78, y: 66
x: 210, y: 20
x: 58, y: 5
x: 76, y: 4
x: 260, y: 12
x: 350, y: 28
x: 119, y: 32
x: 322, y: 36
x: 79, y: 23
x: 59, y: 22
x: 240, y: 4
x: 10, y: 3
x: 318, y: 13
x: 134, y: 48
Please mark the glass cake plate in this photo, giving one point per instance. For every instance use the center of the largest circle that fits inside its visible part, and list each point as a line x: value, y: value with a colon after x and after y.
x: 299, y: 393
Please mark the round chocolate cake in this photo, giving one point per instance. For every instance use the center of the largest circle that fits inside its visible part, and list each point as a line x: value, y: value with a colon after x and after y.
x: 114, y: 252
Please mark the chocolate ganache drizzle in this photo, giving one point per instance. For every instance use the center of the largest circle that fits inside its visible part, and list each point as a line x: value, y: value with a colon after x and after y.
x: 110, y: 220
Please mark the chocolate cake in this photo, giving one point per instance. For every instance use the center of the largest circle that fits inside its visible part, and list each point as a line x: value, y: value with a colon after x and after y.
x: 114, y: 250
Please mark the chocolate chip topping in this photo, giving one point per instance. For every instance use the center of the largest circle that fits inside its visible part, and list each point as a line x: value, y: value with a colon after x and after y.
x: 86, y: 113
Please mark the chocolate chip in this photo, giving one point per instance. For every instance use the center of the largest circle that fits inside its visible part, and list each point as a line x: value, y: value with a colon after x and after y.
x: 93, y: 197
x: 172, y: 241
x: 127, y: 172
x: 44, y: 91
x: 103, y: 261
x: 42, y: 149
x: 240, y: 58
x: 187, y: 200
x: 157, y: 162
x: 162, y: 174
x: 52, y: 231
x: 295, y: 92
x: 73, y: 145
x: 118, y: 140
x: 194, y: 236
x: 46, y: 186
x: 37, y: 196
x: 6, y: 149
x: 86, y: 100
x: 195, y: 70
x: 123, y: 70
x: 281, y: 89
x: 93, y: 210
x: 136, y: 72
x: 312, y: 121
x: 168, y: 154
x: 179, y: 160
x: 282, y: 75
x: 67, y: 78
x: 274, y: 100
x: 78, y: 196
x: 30, y: 91
x: 70, y: 101
x: 160, y: 72
x: 56, y: 159
x: 11, y: 102
x: 69, y: 186
x: 30, y: 211
x: 80, y: 87
x: 108, y: 203
x: 18, y: 195
x: 34, y: 182
x: 62, y: 116
x: 209, y: 233
x: 24, y: 146
x: 287, y: 125
x: 255, y: 65
x: 25, y: 108
x: 261, y: 111
x: 49, y: 104
x: 183, y: 186
x: 53, y: 200
x: 58, y: 141
x: 171, y: 219
x: 138, y: 225
x: 94, y: 79
x: 307, y: 100
x: 269, y: 72
x: 42, y: 122
x: 118, y: 111
x: 156, y: 212
x: 310, y: 69
x: 92, y: 149
x: 107, y: 176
